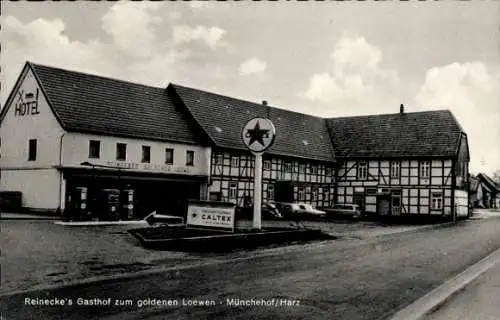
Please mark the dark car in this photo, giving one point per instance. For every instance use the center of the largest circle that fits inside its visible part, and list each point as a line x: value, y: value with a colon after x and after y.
x: 269, y: 211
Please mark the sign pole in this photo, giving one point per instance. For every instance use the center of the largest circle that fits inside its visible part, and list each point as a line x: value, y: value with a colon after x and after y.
x: 258, y: 135
x: 257, y: 196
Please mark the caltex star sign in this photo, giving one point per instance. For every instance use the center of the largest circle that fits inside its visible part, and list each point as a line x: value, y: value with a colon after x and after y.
x: 258, y: 134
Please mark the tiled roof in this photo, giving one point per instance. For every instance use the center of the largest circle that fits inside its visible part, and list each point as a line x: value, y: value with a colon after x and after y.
x: 474, y: 183
x: 415, y: 134
x: 485, y: 179
x: 222, y: 118
x: 94, y: 104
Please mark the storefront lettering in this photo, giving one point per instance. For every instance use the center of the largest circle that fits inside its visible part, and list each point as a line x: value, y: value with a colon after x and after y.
x: 216, y: 217
x: 147, y: 167
x: 26, y: 104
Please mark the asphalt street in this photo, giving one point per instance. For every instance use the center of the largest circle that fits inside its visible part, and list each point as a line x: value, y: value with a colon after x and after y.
x: 478, y: 300
x: 355, y: 279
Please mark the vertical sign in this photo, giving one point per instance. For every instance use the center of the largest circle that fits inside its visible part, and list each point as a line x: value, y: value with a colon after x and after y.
x: 258, y: 135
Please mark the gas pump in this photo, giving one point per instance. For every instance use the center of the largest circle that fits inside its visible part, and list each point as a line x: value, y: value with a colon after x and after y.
x: 128, y: 204
x: 79, y: 203
x: 111, y: 199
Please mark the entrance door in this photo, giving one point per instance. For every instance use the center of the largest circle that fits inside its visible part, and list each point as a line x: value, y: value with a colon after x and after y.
x: 359, y: 199
x: 396, y: 202
x: 383, y: 205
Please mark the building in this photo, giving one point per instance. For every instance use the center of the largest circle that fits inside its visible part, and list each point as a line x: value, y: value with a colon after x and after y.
x: 402, y: 163
x: 490, y: 192
x: 62, y: 131
x: 475, y: 192
x: 302, y: 155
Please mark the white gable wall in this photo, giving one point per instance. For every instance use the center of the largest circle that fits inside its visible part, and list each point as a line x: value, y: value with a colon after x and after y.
x: 28, y: 117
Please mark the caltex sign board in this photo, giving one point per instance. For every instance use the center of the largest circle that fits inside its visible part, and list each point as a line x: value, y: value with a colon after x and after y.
x: 211, y: 215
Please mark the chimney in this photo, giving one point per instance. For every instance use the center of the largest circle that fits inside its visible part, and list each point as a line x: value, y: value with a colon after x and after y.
x: 264, y: 102
x: 401, y: 109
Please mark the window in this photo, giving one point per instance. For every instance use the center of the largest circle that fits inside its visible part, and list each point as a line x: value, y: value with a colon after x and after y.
x: 270, y: 192
x: 313, y: 169
x: 314, y: 194
x: 121, y: 151
x: 94, y: 149
x: 32, y: 150
x: 146, y: 154
x: 235, y: 161
x: 232, y: 191
x: 287, y: 167
x: 371, y: 191
x: 424, y: 169
x: 218, y: 159
x: 436, y: 201
x: 395, y: 169
x: 189, y: 158
x: 169, y: 156
x: 328, y: 172
x: 267, y: 165
x: 302, y: 168
x: 301, y: 194
x: 362, y: 170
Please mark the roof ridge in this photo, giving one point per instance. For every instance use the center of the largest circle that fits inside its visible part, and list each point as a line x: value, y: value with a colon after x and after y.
x: 389, y: 114
x: 93, y: 75
x: 246, y: 101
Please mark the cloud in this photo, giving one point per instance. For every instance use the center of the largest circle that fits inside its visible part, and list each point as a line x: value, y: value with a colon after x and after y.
x: 472, y: 93
x: 252, y: 66
x: 131, y: 26
x: 45, y: 41
x: 201, y: 4
x: 354, y: 78
x: 210, y: 36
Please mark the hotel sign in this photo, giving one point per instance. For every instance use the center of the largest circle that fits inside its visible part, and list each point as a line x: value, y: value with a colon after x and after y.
x: 211, y: 215
x: 148, y: 167
x: 26, y: 103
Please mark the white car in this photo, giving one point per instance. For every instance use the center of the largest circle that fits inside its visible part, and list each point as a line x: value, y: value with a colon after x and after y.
x: 305, y: 209
x: 345, y: 209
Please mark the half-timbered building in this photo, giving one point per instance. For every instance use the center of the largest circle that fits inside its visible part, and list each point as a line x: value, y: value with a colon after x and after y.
x: 302, y: 154
x: 403, y: 163
x: 62, y: 130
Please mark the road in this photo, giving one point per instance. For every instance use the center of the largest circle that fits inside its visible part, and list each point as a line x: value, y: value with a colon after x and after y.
x: 349, y: 279
x: 478, y: 300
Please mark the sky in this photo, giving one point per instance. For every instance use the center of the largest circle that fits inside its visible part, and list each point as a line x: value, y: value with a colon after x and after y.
x: 322, y: 58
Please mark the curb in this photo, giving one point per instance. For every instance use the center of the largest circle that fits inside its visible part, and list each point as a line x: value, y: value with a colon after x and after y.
x: 100, y: 223
x: 29, y: 218
x: 269, y: 252
x: 440, y: 295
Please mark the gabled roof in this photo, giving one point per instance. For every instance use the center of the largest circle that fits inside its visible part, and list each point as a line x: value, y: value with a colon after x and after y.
x: 474, y: 184
x: 414, y: 134
x: 95, y: 104
x: 222, y: 118
x: 488, y: 182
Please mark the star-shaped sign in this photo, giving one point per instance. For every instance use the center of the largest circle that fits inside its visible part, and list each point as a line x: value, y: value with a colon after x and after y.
x: 257, y: 134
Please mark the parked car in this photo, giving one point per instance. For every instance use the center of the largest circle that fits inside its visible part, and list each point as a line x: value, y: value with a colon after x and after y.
x: 345, y: 209
x: 269, y: 211
x: 308, y: 211
x: 288, y: 210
